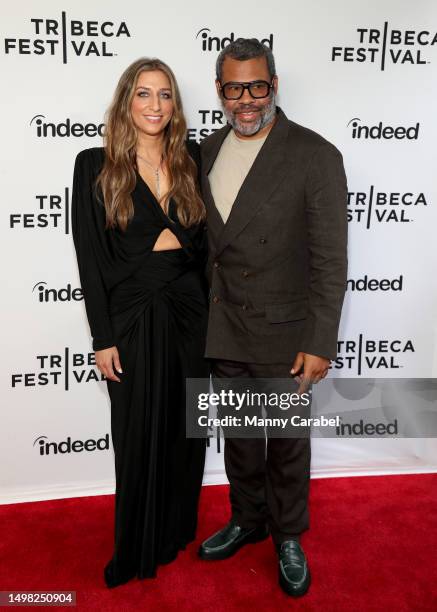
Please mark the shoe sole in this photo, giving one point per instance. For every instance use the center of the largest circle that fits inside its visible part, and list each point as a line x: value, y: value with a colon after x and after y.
x: 223, y: 554
x: 285, y: 586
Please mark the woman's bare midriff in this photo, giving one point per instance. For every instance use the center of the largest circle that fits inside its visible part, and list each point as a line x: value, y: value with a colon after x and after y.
x: 166, y: 241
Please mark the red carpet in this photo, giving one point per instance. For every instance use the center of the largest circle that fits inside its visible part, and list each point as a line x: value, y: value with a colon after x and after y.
x: 372, y: 545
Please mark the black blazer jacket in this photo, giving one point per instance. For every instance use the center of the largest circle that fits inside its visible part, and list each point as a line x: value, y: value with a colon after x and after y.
x: 277, y: 268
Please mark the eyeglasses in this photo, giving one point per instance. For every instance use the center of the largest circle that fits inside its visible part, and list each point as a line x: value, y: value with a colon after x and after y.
x: 257, y: 89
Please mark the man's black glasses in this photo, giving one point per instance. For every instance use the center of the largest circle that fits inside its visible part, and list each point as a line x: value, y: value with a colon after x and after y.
x: 234, y: 91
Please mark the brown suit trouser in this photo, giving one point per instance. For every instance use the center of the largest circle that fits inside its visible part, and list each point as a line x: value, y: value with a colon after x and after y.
x: 269, y: 477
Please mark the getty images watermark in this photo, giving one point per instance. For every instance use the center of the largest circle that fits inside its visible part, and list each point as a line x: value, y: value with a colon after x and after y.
x: 247, y: 403
x: 334, y: 408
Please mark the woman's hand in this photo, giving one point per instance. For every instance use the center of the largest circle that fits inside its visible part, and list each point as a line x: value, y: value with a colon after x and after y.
x: 107, y: 360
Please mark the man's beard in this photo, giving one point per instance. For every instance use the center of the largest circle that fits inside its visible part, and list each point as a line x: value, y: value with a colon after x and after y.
x: 266, y: 116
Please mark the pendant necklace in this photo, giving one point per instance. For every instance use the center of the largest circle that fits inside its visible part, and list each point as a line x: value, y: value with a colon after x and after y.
x: 156, y: 172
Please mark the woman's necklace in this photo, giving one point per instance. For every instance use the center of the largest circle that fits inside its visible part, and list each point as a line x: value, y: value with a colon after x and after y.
x: 156, y: 172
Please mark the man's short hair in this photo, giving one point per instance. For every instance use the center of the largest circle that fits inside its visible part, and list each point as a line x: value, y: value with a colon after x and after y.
x: 245, y: 49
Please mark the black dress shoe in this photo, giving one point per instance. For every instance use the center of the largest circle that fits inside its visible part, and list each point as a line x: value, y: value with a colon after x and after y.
x: 227, y: 541
x: 294, y: 573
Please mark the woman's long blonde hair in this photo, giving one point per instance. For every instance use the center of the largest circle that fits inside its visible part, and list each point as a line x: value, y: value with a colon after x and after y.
x: 117, y: 178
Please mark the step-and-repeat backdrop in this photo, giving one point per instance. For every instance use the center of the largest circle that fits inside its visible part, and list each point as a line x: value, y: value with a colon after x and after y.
x: 364, y: 75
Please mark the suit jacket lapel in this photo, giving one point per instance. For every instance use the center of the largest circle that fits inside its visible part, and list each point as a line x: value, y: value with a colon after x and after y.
x: 267, y: 171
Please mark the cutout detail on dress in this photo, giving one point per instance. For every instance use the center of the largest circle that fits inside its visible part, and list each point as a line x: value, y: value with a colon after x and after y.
x: 166, y: 241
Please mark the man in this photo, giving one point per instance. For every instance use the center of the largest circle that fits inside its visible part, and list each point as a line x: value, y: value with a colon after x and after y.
x: 276, y: 200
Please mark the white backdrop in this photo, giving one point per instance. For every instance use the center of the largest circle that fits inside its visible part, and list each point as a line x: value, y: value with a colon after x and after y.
x: 342, y: 65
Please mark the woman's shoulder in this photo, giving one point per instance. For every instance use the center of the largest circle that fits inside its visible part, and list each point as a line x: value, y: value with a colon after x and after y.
x: 87, y: 167
x: 91, y: 158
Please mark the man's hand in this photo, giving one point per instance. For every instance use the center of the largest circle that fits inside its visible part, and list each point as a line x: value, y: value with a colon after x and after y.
x: 309, y: 369
x: 107, y: 360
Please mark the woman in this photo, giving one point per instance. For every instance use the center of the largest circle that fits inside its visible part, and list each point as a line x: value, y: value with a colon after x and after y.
x: 138, y: 229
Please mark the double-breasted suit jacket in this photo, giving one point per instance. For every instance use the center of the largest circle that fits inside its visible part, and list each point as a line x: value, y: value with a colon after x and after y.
x: 277, y: 268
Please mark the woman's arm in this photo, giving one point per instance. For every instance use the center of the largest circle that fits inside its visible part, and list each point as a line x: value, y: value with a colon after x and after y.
x: 88, y: 218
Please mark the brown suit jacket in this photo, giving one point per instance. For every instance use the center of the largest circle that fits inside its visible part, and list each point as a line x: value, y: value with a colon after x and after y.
x: 277, y: 268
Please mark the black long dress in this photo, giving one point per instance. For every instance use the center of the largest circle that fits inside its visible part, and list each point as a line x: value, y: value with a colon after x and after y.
x: 152, y: 305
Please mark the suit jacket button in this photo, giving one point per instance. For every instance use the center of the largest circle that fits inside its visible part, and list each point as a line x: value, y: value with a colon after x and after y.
x: 263, y: 240
x: 244, y: 307
x: 245, y: 273
x: 216, y: 264
x: 216, y: 299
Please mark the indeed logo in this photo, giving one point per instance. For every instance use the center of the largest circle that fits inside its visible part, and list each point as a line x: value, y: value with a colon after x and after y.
x: 374, y: 284
x: 377, y: 132
x: 363, y: 429
x: 68, y: 446
x: 66, y: 294
x: 65, y: 129
x: 215, y: 43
